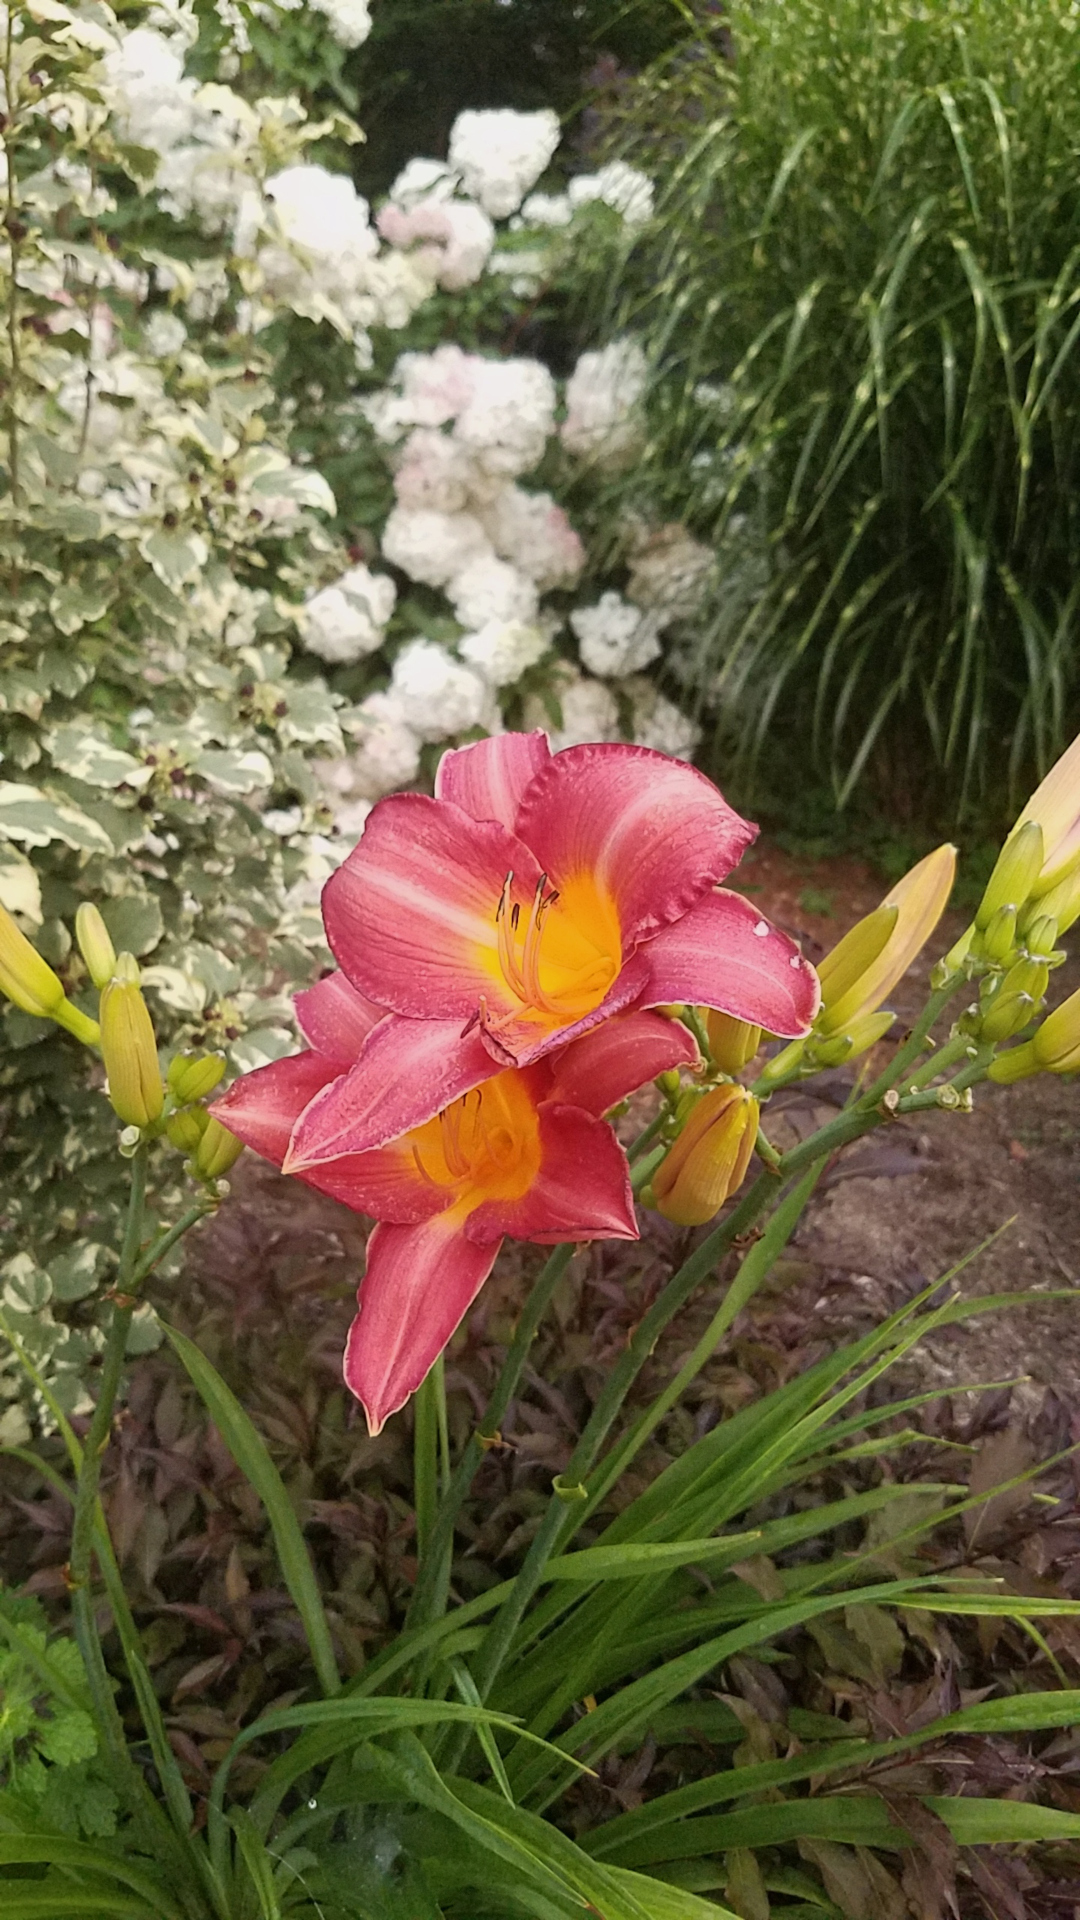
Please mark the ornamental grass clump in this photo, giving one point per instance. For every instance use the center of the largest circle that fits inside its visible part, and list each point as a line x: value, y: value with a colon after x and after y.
x: 439, y: 1778
x: 862, y: 294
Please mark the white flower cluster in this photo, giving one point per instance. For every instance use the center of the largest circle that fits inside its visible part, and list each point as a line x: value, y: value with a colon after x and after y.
x: 603, y: 421
x: 349, y: 618
x: 616, y: 185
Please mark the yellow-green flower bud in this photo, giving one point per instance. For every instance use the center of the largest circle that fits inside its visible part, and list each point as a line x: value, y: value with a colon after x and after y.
x: 26, y: 979
x: 216, y: 1151
x: 1008, y: 1013
x: 866, y: 1032
x: 184, y: 1130
x: 1058, y: 1039
x: 1061, y: 903
x: 1027, y: 976
x: 733, y: 1043
x: 669, y: 1083
x: 844, y: 967
x: 1018, y: 1064
x: 129, y: 1049
x: 999, y: 936
x: 710, y: 1157
x: 94, y: 944
x: 782, y: 1065
x: 1015, y: 873
x: 192, y: 1076
x: 1041, y: 936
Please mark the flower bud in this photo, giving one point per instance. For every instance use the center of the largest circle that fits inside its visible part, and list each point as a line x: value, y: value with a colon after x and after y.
x: 1057, y: 1041
x: 185, y: 1130
x: 1041, y: 937
x: 732, y: 1043
x: 920, y: 899
x: 1027, y: 976
x: 1015, y: 872
x: 192, y: 1076
x: 999, y: 936
x: 1055, y: 805
x: 1019, y: 1063
x: 710, y: 1157
x: 1061, y: 902
x: 782, y: 1065
x: 217, y: 1150
x: 1008, y: 1013
x: 129, y: 1048
x: 844, y: 967
x: 27, y: 980
x: 94, y: 944
x: 867, y: 1031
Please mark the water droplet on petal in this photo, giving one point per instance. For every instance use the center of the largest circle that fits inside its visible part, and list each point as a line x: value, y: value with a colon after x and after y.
x: 762, y: 929
x: 795, y: 961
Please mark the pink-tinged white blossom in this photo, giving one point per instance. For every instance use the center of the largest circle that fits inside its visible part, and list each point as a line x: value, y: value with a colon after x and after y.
x: 451, y: 239
x: 534, y: 533
x: 502, y: 650
x: 425, y: 390
x: 500, y: 154
x: 490, y: 589
x: 618, y: 186
x: 436, y: 695
x: 432, y: 547
x: 433, y: 470
x: 349, y: 618
x: 509, y: 415
x: 587, y: 709
x: 658, y: 723
x: 386, y: 754
x: 615, y: 637
x: 603, y: 395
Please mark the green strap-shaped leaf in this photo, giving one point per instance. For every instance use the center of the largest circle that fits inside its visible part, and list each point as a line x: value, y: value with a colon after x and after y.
x: 250, y: 1453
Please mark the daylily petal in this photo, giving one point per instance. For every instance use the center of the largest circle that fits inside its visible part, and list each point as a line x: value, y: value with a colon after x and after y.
x: 419, y: 1283
x: 519, y: 1038
x: 335, y: 1018
x: 487, y: 780
x: 722, y: 954
x: 386, y: 1183
x: 582, y: 1191
x: 263, y: 1107
x: 613, y: 1060
x: 410, y: 915
x: 408, y: 1071
x: 653, y: 833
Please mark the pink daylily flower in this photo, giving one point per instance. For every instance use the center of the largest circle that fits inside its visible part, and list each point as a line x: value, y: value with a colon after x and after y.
x: 532, y: 899
x: 524, y: 1153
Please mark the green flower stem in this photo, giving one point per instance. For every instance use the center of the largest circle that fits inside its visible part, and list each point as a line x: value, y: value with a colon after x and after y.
x: 110, y: 1726
x: 167, y: 1241
x: 913, y: 1045
x: 433, y: 1579
x: 940, y: 1062
x: 425, y: 1460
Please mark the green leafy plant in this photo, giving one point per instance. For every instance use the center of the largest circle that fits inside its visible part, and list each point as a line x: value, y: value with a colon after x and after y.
x: 861, y: 297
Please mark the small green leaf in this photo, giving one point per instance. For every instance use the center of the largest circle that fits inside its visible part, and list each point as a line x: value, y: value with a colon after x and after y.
x: 134, y: 922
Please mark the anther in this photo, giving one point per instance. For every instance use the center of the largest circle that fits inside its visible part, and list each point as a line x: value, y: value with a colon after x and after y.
x: 515, y: 916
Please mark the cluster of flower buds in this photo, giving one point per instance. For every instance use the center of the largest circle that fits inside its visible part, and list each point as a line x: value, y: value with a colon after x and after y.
x: 708, y: 1160
x: 123, y: 1034
x: 864, y: 967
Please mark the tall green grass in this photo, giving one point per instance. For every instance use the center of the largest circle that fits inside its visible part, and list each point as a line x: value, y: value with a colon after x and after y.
x: 873, y: 243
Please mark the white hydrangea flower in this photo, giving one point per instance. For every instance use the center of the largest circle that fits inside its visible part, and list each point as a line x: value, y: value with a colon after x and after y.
x: 618, y: 186
x: 423, y: 180
x: 152, y: 103
x: 509, y: 414
x: 502, y: 650
x: 500, y: 154
x: 437, y: 695
x: 432, y: 547
x: 426, y: 390
x: 164, y: 334
x: 433, y: 470
x: 659, y: 723
x: 348, y: 619
x: 349, y: 20
x: 533, y: 532
x: 450, y: 239
x: 387, y: 751
x: 603, y: 393
x: 491, y: 589
x: 668, y: 571
x: 588, y: 707
x: 351, y: 819
x: 322, y: 213
x: 615, y: 637
x: 547, y: 210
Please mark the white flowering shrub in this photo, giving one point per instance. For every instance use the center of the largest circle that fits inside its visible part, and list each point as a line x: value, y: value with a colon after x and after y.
x: 269, y: 538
